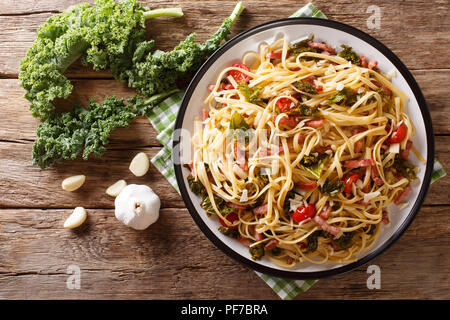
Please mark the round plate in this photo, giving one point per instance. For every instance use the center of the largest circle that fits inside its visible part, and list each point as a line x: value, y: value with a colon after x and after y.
x: 333, y: 33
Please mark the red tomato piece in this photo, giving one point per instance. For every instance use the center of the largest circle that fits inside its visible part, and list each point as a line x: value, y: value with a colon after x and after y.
x: 316, y: 123
x: 306, y: 185
x: 398, y: 135
x: 285, y: 104
x: 238, y: 75
x: 274, y: 55
x: 304, y: 212
x: 349, y: 181
x: 231, y: 217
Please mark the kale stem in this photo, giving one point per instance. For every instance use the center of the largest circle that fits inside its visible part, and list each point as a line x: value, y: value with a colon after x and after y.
x: 236, y: 11
x: 160, y: 96
x: 165, y: 12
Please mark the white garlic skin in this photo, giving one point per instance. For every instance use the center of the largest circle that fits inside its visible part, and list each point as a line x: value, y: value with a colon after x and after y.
x: 137, y: 206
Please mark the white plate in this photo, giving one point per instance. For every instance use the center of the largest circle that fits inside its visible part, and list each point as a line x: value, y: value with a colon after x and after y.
x: 334, y: 34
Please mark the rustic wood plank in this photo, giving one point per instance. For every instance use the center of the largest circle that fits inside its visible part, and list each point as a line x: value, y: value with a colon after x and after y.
x: 402, y: 25
x: 19, y: 124
x: 25, y: 185
x: 120, y: 263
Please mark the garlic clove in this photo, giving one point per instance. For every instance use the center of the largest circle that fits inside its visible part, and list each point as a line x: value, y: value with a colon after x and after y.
x: 114, y: 189
x: 76, y: 219
x: 140, y: 164
x: 73, y: 183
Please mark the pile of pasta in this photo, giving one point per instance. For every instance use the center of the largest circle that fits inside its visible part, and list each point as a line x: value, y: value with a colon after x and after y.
x: 301, y: 150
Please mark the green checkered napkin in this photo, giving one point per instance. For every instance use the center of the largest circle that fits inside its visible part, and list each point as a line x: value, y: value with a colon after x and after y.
x: 163, y: 117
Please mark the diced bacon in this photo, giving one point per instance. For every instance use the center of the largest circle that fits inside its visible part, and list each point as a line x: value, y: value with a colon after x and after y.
x: 261, y: 209
x: 326, y: 53
x: 290, y: 260
x: 385, y: 216
x: 316, y: 123
x: 325, y: 226
x: 240, y: 158
x: 375, y: 176
x: 359, y: 145
x: 384, y: 147
x: 363, y: 61
x: 325, y: 213
x: 295, y: 69
x: 205, y: 114
x: 306, y: 185
x: 321, y: 46
x: 271, y: 244
x: 191, y: 164
x: 379, y: 85
x: 312, y: 81
x: 289, y: 122
x: 404, y: 154
x: 246, y: 242
x: 236, y: 206
x: 322, y: 149
x: 372, y: 65
x: 258, y: 236
x: 353, y: 164
x: 403, y: 195
x: 211, y: 87
x: 363, y: 202
x: 274, y: 55
x: 301, y: 138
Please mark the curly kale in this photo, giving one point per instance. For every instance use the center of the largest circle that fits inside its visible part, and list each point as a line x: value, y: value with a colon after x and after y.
x: 332, y: 188
x: 155, y: 71
x: 65, y: 136
x: 305, y: 86
x: 348, y: 54
x: 110, y: 36
x: 346, y: 96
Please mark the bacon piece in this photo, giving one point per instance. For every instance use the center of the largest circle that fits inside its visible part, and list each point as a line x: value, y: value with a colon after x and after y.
x: 375, y: 176
x: 205, y: 114
x: 301, y: 138
x: 312, y: 81
x: 404, y: 154
x: 379, y: 85
x: 325, y: 226
x: 236, y: 206
x: 271, y: 244
x: 240, y: 158
x: 322, y: 46
x: 385, y: 217
x: 325, y: 213
x: 403, y: 195
x: 372, y: 65
x: 258, y: 236
x: 295, y: 69
x: 363, y: 61
x: 306, y: 185
x: 353, y: 164
x: 261, y: 209
x: 316, y: 123
x: 246, y: 242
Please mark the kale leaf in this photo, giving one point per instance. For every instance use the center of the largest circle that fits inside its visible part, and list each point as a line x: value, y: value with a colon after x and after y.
x: 348, y: 54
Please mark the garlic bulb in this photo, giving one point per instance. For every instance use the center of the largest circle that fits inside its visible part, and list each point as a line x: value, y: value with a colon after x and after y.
x: 137, y: 206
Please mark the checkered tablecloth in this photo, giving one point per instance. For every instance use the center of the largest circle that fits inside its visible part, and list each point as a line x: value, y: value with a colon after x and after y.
x: 163, y: 118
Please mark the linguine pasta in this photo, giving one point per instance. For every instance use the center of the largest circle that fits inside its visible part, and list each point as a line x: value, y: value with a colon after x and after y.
x: 301, y: 150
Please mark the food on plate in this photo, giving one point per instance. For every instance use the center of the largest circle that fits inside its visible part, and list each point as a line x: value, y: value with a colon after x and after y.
x: 114, y: 189
x: 300, y: 150
x: 73, y: 183
x: 140, y: 164
x: 137, y: 206
x: 76, y: 219
x: 106, y: 36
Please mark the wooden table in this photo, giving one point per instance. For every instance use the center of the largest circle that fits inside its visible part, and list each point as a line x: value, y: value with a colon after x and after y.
x: 173, y: 259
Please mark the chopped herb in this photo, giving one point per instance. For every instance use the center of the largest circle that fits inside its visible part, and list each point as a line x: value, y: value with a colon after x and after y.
x: 305, y: 86
x: 331, y: 188
x: 314, y: 165
x: 195, y: 186
x: 303, y: 110
x: 350, y: 55
x: 345, y: 240
x: 346, y: 96
x: 405, y: 168
x: 276, y: 251
x: 251, y: 94
x: 302, y: 46
x: 232, y: 233
x: 257, y: 252
x: 220, y: 203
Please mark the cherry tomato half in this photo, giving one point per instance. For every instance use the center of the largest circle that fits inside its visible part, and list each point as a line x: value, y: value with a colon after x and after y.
x: 398, y: 135
x: 231, y: 217
x: 304, y: 212
x: 238, y: 75
x: 349, y: 181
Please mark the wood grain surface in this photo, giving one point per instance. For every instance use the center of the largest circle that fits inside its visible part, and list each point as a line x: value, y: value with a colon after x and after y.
x: 173, y: 259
